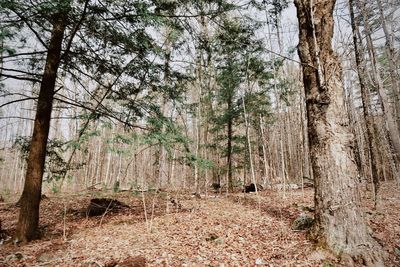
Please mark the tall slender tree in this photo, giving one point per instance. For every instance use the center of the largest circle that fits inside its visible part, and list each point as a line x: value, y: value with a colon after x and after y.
x: 340, y: 225
x: 29, y: 214
x: 369, y: 120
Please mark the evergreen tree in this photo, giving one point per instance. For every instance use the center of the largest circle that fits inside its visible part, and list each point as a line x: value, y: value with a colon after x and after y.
x: 105, y: 41
x: 238, y: 64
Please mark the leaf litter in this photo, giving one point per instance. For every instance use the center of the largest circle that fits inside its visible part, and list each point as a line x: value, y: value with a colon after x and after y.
x: 233, y: 230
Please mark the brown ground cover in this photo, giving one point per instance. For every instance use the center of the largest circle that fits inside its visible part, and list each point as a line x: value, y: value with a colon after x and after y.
x: 235, y: 230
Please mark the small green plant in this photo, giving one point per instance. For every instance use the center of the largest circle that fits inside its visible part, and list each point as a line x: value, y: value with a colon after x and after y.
x: 54, y: 188
x: 6, y: 191
x: 238, y: 183
x: 397, y: 251
x: 116, y: 187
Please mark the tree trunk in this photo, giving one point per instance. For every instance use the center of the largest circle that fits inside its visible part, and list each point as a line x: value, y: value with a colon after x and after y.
x: 369, y: 120
x: 386, y: 109
x: 229, y: 152
x: 391, y: 59
x: 339, y: 222
x: 28, y: 221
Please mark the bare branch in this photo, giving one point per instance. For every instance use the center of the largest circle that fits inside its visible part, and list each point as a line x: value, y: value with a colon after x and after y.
x: 18, y: 100
x: 20, y: 71
x: 29, y: 79
x: 23, y: 54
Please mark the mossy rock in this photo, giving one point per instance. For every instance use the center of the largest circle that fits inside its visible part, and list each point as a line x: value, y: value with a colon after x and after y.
x: 302, y: 223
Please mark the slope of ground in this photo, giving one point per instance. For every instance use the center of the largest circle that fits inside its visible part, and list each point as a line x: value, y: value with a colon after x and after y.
x: 238, y: 230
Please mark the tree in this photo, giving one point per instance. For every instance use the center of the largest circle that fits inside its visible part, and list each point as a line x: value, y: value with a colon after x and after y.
x: 114, y: 46
x: 102, y: 42
x: 369, y: 120
x: 29, y: 214
x: 339, y: 225
x: 238, y: 65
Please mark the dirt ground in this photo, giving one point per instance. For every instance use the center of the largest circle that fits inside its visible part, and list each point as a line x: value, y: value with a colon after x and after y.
x: 235, y: 230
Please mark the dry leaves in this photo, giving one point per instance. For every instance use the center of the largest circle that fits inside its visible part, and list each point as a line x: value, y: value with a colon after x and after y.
x: 239, y: 230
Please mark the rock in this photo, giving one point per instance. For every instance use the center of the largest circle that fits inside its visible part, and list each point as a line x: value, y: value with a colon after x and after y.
x: 14, y: 257
x: 137, y: 261
x: 45, y: 257
x: 259, y: 261
x: 252, y: 188
x: 99, y: 206
x: 1, y: 199
x: 303, y: 222
x: 212, y: 237
x: 216, y: 186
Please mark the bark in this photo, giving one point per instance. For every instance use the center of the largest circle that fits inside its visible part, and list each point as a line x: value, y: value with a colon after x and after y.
x: 339, y: 225
x: 28, y: 221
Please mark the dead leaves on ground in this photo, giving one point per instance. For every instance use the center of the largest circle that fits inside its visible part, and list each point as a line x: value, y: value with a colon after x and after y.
x: 241, y: 230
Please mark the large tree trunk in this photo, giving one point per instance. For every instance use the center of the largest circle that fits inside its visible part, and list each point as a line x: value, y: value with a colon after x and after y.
x: 28, y: 221
x: 339, y: 222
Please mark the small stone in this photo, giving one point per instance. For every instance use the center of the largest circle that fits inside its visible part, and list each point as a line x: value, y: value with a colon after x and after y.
x: 45, y: 257
x: 259, y: 261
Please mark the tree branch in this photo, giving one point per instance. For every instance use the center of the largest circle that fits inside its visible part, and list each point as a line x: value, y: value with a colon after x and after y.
x: 20, y: 71
x: 21, y: 78
x: 75, y: 30
x: 18, y: 100
x: 31, y: 28
x: 23, y: 54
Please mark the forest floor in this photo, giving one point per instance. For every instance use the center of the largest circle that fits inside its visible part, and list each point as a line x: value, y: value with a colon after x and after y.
x: 220, y: 230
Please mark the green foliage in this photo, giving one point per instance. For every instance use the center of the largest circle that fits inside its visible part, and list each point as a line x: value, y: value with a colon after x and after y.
x: 162, y: 130
x: 5, y: 50
x: 83, y: 139
x: 116, y: 187
x: 122, y: 144
x: 6, y: 191
x: 274, y: 8
x: 201, y: 163
x: 243, y: 79
x: 55, y: 165
x: 114, y: 44
x: 55, y: 189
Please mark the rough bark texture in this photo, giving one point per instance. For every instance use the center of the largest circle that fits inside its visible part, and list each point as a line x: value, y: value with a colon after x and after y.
x: 28, y: 222
x: 339, y: 222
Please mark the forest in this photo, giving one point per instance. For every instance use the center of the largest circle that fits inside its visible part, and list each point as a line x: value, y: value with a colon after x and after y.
x: 199, y: 133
